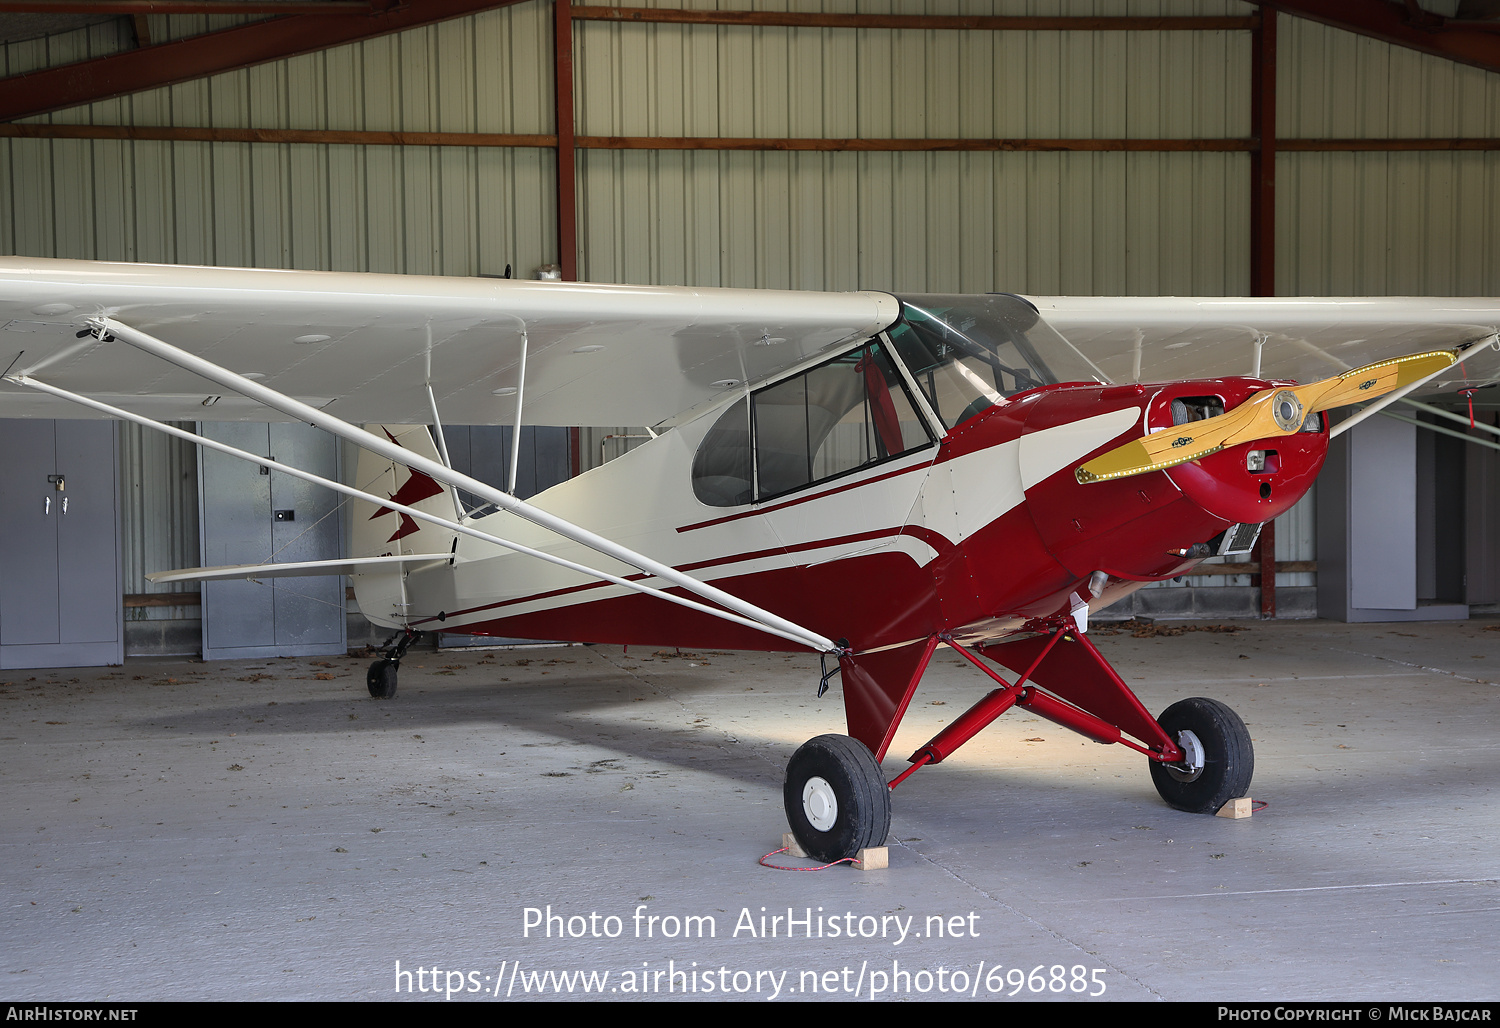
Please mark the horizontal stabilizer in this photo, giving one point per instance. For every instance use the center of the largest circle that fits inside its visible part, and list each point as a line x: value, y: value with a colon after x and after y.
x: 301, y: 569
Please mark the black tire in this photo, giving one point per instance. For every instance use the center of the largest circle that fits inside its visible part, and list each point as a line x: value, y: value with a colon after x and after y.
x: 381, y: 678
x: 1228, y: 756
x: 850, y: 776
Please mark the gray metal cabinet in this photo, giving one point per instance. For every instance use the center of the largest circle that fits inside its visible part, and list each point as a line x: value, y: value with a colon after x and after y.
x: 252, y: 515
x: 61, y: 577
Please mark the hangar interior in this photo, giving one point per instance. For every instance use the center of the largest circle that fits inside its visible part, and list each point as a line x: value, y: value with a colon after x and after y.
x: 255, y: 826
x: 1192, y: 148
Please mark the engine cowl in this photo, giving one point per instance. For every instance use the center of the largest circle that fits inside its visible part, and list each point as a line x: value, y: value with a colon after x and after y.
x: 1139, y: 527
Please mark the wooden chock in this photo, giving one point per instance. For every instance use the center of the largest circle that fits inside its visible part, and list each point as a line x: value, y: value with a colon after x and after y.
x: 1236, y: 808
x: 872, y: 858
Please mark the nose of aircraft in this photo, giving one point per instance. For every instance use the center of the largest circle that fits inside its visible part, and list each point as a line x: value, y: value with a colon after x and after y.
x: 1141, y: 526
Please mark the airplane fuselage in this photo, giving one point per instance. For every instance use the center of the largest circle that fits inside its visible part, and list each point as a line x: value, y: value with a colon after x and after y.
x: 977, y: 534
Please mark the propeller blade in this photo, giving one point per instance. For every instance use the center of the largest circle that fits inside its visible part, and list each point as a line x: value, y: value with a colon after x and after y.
x: 1374, y: 379
x: 1266, y: 415
x: 1181, y: 443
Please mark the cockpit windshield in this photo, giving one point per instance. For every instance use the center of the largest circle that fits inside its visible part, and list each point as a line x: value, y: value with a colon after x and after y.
x: 967, y: 353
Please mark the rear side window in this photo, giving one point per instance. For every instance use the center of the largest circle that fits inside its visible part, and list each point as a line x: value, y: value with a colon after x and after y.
x: 721, y: 467
x: 847, y: 414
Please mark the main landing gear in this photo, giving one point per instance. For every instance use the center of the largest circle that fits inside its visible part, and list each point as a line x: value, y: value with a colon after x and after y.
x: 837, y: 800
x: 381, y: 678
x: 1217, y: 756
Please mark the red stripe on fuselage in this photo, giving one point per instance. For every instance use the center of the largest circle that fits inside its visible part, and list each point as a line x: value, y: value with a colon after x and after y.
x: 932, y: 539
x: 870, y: 600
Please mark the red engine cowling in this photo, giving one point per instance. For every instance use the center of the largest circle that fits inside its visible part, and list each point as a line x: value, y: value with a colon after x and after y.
x: 1141, y: 527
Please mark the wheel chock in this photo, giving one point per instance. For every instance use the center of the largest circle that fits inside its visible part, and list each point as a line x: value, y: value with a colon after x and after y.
x: 1235, y: 808
x: 871, y: 858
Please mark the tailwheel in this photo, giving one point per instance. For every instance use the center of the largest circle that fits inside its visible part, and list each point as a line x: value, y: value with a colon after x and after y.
x: 837, y: 802
x: 381, y: 678
x: 1218, y: 757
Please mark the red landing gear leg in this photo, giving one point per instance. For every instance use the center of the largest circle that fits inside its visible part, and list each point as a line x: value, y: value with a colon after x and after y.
x: 1200, y: 751
x: 969, y: 723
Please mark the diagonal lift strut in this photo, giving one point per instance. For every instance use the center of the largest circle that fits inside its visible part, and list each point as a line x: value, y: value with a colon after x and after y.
x: 997, y: 702
x: 763, y: 619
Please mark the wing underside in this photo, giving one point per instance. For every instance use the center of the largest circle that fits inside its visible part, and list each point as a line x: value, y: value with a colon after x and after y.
x: 1302, y: 339
x: 366, y: 346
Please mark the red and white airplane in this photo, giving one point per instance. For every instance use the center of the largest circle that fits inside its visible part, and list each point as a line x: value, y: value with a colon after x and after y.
x: 860, y: 474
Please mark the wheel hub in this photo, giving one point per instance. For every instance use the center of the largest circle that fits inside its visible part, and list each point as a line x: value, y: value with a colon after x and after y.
x: 1192, y: 758
x: 819, y: 803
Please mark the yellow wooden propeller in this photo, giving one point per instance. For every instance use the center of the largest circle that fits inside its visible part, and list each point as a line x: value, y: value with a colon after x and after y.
x: 1266, y: 415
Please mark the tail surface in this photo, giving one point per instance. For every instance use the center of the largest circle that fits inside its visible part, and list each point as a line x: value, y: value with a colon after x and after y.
x: 381, y: 531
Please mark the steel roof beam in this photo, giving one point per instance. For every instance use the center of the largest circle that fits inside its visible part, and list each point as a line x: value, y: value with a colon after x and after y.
x: 1392, y: 23
x: 71, y: 85
x: 123, y: 7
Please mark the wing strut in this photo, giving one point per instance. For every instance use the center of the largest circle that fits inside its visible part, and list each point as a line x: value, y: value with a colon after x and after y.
x: 437, y: 424
x: 454, y: 526
x: 391, y: 451
x: 1440, y: 430
x: 515, y: 434
x: 1457, y: 418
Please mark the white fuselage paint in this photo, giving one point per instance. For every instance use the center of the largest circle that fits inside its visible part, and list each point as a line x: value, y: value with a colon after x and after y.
x: 642, y: 498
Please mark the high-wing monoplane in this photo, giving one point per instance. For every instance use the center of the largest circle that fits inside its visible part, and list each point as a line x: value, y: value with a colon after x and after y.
x: 864, y: 475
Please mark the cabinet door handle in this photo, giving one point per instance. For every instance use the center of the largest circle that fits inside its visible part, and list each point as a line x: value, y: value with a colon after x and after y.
x: 46, y: 505
x: 65, y: 504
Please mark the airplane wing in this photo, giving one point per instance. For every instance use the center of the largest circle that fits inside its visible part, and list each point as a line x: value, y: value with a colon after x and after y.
x: 364, y: 346
x: 1305, y: 339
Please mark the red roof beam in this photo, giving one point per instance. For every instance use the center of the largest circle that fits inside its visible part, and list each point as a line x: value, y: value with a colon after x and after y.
x: 123, y: 7
x: 70, y: 85
x: 1393, y: 23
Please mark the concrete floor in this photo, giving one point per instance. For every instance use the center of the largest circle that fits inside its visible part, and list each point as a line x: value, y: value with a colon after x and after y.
x: 264, y: 830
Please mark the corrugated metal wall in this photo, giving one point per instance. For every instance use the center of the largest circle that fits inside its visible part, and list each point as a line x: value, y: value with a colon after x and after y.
x: 158, y: 513
x: 413, y: 210
x: 1384, y: 223
x: 1170, y: 223
x: 1103, y: 223
x: 1023, y: 222
x: 1046, y: 223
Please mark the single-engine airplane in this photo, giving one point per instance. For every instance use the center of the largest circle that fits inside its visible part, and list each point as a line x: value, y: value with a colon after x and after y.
x: 864, y: 475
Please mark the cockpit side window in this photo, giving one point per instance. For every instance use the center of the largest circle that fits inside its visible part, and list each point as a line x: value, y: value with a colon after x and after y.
x: 849, y: 413
x: 969, y: 353
x: 956, y: 385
